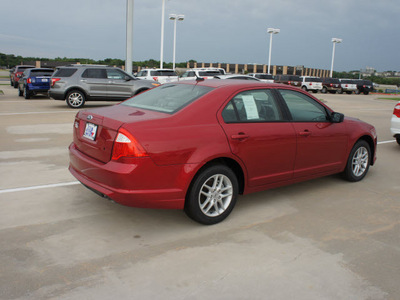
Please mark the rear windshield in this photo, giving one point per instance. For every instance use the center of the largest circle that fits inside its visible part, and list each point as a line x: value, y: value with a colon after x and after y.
x: 41, y: 73
x: 65, y: 72
x: 209, y: 73
x: 348, y: 81
x: 168, y: 98
x: 21, y: 69
x: 264, y: 76
x: 163, y: 73
x: 313, y: 79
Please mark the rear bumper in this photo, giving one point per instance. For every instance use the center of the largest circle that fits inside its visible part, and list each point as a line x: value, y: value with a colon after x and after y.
x: 56, y: 95
x: 140, y: 184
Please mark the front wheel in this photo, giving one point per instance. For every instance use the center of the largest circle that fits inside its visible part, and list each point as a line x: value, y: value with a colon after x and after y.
x: 75, y: 99
x: 212, y: 195
x: 358, y: 162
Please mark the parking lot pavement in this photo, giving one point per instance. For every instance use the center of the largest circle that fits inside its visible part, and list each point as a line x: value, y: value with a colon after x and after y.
x: 322, y: 239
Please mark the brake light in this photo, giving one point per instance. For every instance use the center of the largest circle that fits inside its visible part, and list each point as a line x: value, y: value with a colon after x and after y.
x: 310, y: 83
x: 289, y: 82
x: 396, y: 110
x: 29, y: 80
x: 331, y: 85
x: 125, y: 145
x: 54, y: 80
x: 155, y: 78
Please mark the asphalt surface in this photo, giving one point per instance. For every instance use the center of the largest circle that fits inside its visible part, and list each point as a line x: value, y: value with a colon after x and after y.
x: 321, y: 239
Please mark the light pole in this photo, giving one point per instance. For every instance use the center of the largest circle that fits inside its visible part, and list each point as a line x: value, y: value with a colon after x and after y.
x: 175, y: 18
x: 271, y: 31
x: 162, y: 34
x: 334, y: 41
x: 129, y: 36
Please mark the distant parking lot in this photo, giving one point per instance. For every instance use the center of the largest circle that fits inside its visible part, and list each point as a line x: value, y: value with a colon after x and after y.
x: 322, y: 239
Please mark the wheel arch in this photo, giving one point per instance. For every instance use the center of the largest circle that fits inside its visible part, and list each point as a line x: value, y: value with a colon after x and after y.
x: 141, y: 90
x: 371, y: 144
x: 73, y: 88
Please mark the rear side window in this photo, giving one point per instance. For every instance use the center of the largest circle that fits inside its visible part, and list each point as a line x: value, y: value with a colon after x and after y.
x: 142, y: 73
x: 168, y: 98
x: 163, y: 73
x: 65, y: 72
x: 95, y: 73
x: 252, y: 106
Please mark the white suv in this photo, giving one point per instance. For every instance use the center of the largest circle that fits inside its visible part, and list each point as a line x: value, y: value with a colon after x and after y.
x: 348, y: 86
x: 206, y: 73
x: 160, y: 75
x: 395, y: 124
x: 310, y: 83
x: 268, y: 78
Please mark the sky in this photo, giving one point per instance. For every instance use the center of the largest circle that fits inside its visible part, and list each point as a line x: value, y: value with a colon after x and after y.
x: 217, y: 31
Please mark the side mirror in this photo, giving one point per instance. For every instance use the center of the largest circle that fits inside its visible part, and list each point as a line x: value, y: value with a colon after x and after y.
x: 127, y: 78
x: 337, y: 117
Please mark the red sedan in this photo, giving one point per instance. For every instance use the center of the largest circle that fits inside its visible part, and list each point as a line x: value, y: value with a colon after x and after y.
x: 197, y: 145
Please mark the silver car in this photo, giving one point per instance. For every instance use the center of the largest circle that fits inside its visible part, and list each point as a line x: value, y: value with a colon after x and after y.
x: 77, y: 84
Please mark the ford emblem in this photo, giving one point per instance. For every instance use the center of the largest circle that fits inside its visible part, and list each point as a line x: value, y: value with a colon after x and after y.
x: 89, y: 117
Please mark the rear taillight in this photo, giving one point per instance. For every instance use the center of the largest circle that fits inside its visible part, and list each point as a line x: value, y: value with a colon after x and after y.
x: 289, y: 82
x: 155, y: 78
x: 29, y: 80
x: 54, y: 80
x: 396, y: 110
x: 310, y: 83
x: 331, y: 85
x: 125, y: 145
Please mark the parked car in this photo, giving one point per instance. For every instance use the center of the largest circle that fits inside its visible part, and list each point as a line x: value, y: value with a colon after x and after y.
x: 206, y: 73
x: 292, y: 80
x: 331, y: 85
x: 310, y: 83
x: 364, y: 86
x: 196, y: 145
x: 77, y: 84
x: 263, y: 77
x: 236, y: 76
x: 348, y: 86
x: 395, y: 123
x: 160, y: 75
x: 17, y: 74
x: 35, y: 81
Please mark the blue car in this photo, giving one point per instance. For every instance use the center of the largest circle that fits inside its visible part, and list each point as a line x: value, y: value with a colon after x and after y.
x: 35, y: 81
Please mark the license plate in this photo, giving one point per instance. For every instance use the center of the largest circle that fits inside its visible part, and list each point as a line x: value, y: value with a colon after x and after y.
x: 45, y: 80
x: 90, y: 131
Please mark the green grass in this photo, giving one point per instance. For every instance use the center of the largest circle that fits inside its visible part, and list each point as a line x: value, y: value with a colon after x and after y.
x: 390, y: 98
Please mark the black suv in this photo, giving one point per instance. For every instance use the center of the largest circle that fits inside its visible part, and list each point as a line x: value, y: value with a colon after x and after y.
x: 77, y: 84
x: 364, y: 86
x: 292, y: 80
x: 330, y: 84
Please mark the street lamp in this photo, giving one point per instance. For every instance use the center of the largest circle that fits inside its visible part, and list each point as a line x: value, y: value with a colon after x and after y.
x: 334, y: 41
x: 162, y: 34
x: 175, y: 18
x: 271, y: 31
x: 129, y: 36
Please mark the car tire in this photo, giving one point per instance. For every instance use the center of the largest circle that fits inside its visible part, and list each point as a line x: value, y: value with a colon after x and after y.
x: 340, y: 91
x: 75, y: 99
x: 304, y: 88
x: 324, y: 90
x: 358, y: 162
x: 20, y: 92
x: 366, y: 93
x: 15, y: 84
x: 398, y: 139
x: 212, y: 195
x: 315, y: 91
x: 348, y: 92
x: 26, y: 93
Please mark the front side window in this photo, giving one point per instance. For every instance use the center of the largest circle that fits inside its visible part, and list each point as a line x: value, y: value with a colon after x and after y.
x: 252, y: 106
x: 168, y: 98
x: 115, y: 74
x: 303, y: 108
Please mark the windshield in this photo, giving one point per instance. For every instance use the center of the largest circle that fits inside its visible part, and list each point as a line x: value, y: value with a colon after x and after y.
x: 168, y: 98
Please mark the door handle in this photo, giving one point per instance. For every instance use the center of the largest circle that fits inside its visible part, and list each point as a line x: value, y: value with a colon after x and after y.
x: 305, y: 133
x: 83, y: 80
x: 240, y: 136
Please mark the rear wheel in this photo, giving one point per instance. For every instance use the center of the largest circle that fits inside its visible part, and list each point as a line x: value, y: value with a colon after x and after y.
x: 398, y: 139
x: 15, y: 84
x: 27, y: 93
x: 366, y: 93
x: 358, y: 162
x: 75, y: 99
x: 212, y: 195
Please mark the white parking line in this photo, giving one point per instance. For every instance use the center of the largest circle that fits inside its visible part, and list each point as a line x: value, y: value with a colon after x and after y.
x: 386, y: 142
x: 38, y: 112
x: 37, y: 187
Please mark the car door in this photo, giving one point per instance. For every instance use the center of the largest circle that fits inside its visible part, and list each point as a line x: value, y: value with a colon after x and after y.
x: 94, y: 81
x: 321, y: 144
x: 259, y: 136
x: 120, y: 85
